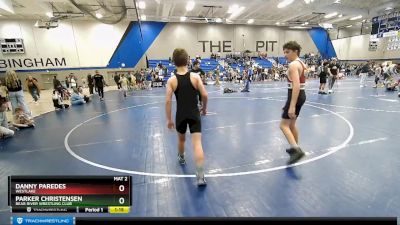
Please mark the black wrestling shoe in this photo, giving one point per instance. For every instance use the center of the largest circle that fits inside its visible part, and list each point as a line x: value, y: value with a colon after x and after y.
x: 295, y: 155
x: 181, y: 159
x: 201, y: 180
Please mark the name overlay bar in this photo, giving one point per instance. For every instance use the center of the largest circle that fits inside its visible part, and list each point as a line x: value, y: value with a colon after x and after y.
x: 31, y: 192
x: 82, y: 209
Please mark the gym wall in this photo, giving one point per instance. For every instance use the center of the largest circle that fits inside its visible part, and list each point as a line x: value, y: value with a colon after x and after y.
x: 203, y: 39
x: 357, y: 48
x: 80, y: 43
x: 83, y: 46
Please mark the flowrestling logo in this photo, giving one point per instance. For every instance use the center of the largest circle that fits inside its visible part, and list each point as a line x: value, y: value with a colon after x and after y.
x: 42, y: 220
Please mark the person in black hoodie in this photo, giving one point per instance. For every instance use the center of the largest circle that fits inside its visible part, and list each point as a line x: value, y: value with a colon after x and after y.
x: 90, y: 83
x: 322, y: 78
x: 99, y: 83
x: 116, y: 79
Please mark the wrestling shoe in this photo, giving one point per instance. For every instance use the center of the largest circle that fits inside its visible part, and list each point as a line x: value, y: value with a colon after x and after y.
x: 295, y: 155
x: 181, y: 159
x: 201, y: 180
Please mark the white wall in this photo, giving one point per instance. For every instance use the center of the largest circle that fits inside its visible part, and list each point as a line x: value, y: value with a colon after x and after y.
x: 91, y: 44
x: 185, y: 35
x: 81, y: 43
x: 357, y: 48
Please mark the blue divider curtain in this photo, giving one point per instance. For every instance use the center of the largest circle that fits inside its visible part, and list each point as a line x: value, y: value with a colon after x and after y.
x: 323, y: 42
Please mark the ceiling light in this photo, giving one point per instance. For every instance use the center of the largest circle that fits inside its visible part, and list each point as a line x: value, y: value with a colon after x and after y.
x: 285, y: 3
x: 37, y: 24
x: 143, y: 17
x: 356, y: 17
x: 142, y: 5
x: 218, y: 20
x: 330, y: 15
x: 298, y: 27
x: 190, y: 6
x: 327, y: 25
x: 236, y: 11
x: 308, y: 1
x: 183, y: 18
x: 99, y: 16
x: 348, y: 26
x: 278, y: 23
x: 233, y: 8
x: 228, y: 21
x: 388, y: 8
x: 49, y: 14
x: 340, y: 16
x: 7, y: 5
x: 306, y: 23
x: 337, y: 2
x: 250, y: 21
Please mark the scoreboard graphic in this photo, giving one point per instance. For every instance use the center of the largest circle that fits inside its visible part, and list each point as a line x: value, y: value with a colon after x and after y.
x: 386, y: 25
x: 12, y: 45
x: 78, y: 194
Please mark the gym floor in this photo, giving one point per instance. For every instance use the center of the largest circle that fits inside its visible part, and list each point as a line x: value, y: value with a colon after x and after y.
x: 351, y: 139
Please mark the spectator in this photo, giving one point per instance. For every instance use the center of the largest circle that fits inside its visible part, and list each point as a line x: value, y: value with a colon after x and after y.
x: 15, y: 92
x: 22, y: 120
x: 364, y: 73
x: 77, y: 98
x: 90, y: 83
x: 123, y: 82
x: 85, y: 97
x: 58, y: 86
x: 378, y: 74
x: 116, y: 79
x: 57, y: 83
x: 133, y: 81
x: 99, y: 82
x: 73, y: 81
x: 322, y: 78
x: 4, y: 94
x: 5, y: 131
x: 57, y: 101
x: 333, y: 73
x: 66, y: 81
x: 129, y: 78
x: 83, y: 82
x: 33, y: 88
x: 149, y: 80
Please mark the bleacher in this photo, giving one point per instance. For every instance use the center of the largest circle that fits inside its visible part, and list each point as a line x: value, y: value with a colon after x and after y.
x: 282, y: 60
x: 206, y: 65
x: 264, y: 63
x: 211, y: 64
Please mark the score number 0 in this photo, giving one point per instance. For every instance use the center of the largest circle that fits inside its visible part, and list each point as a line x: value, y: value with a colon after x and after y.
x: 121, y: 200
